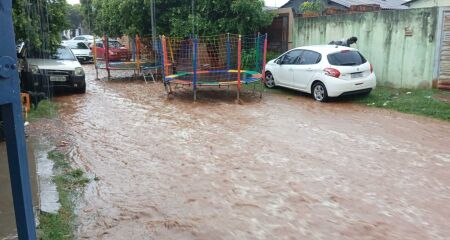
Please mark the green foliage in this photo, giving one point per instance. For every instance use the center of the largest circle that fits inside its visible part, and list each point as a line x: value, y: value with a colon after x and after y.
x: 74, y: 14
x: 174, y: 17
x: 40, y: 22
x: 313, y: 6
x: 45, y: 109
x: 427, y: 102
x: 68, y: 181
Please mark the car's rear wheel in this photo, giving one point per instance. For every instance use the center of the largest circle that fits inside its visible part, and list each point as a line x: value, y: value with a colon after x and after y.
x: 319, y: 92
x: 269, y: 81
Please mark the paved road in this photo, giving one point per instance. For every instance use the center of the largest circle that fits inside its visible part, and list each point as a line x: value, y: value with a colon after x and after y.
x: 284, y: 167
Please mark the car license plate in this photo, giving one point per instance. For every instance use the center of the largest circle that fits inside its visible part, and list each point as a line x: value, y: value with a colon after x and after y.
x: 357, y: 75
x: 57, y: 78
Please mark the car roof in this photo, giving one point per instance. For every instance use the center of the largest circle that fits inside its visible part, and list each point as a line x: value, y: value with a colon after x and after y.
x: 326, y: 49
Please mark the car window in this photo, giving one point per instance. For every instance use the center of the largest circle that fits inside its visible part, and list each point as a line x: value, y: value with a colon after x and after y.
x: 77, y: 45
x: 81, y: 45
x: 79, y: 38
x: 291, y: 57
x: 346, y: 58
x: 63, y: 53
x: 99, y: 45
x: 115, y: 44
x: 309, y: 57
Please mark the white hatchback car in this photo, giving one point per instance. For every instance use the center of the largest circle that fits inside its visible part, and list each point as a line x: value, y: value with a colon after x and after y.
x: 323, y: 71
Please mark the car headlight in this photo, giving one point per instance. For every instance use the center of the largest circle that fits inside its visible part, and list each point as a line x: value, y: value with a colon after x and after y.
x: 34, y: 69
x: 79, y: 71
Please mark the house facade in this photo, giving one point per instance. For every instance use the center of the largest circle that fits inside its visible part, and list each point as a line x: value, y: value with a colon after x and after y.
x: 427, y: 3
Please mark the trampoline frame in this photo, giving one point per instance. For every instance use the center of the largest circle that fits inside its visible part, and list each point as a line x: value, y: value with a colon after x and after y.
x: 169, y: 79
x: 139, y: 67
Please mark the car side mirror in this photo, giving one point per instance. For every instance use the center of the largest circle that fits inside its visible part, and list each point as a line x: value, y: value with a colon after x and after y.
x: 278, y: 61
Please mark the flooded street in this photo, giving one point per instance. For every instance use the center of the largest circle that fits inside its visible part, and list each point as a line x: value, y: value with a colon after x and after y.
x: 284, y: 167
x: 7, y: 219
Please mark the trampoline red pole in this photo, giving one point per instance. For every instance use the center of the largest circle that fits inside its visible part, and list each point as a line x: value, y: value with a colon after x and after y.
x: 239, y: 67
x: 138, y: 54
x: 106, y: 47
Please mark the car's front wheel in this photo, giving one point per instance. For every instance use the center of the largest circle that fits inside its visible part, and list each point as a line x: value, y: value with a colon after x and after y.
x: 80, y: 90
x: 319, y: 92
x: 269, y: 81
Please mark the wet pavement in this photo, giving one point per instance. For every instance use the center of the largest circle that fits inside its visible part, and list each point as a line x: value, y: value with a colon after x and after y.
x: 284, y: 167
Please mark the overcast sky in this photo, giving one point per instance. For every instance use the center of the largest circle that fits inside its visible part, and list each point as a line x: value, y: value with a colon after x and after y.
x: 272, y: 3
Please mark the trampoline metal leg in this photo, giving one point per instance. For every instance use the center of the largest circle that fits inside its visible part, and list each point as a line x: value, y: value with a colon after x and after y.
x: 238, y: 95
x: 195, y: 95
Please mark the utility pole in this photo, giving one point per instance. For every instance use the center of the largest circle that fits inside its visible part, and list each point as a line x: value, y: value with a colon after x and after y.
x: 11, y: 110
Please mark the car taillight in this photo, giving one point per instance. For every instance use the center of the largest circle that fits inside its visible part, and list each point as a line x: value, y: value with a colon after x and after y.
x: 332, y: 72
x: 371, y: 68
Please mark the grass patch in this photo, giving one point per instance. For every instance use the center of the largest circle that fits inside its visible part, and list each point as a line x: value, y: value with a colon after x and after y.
x: 426, y: 102
x: 68, y: 182
x: 45, y: 109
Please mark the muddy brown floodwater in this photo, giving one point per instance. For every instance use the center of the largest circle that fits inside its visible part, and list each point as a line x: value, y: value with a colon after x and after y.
x: 284, y: 167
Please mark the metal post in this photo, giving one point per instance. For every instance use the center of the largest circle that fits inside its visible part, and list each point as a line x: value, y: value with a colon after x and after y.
x: 138, y: 54
x: 228, y: 52
x: 263, y: 72
x: 106, y: 47
x: 94, y: 47
x: 257, y: 49
x: 194, y: 83
x: 239, y: 68
x: 10, y: 106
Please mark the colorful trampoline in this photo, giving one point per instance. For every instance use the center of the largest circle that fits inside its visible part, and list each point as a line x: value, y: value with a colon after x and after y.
x: 215, y: 77
x: 213, y: 61
x: 142, y: 56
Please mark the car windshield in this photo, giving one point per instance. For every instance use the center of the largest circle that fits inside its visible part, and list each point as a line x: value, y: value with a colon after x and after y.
x: 63, y: 53
x: 79, y: 45
x: 346, y: 58
x: 115, y: 44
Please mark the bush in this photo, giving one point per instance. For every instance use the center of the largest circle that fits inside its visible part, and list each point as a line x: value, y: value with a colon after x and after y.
x: 314, y: 6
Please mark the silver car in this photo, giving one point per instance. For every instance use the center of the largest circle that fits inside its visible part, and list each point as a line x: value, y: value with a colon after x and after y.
x: 58, y: 70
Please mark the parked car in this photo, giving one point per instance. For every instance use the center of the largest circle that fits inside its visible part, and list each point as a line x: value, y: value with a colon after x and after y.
x: 323, y: 71
x: 58, y: 70
x: 117, y: 52
x: 88, y: 39
x: 81, y: 51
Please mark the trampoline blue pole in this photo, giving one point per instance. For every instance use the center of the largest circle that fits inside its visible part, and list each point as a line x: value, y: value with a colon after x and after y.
x: 11, y: 110
x: 194, y: 82
x: 228, y: 52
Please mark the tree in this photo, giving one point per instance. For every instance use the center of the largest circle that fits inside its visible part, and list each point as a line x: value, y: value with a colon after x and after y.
x: 313, y: 6
x: 175, y: 17
x: 75, y: 18
x: 40, y: 22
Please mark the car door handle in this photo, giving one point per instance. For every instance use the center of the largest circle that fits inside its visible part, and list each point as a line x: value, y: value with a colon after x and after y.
x: 290, y: 69
x: 309, y: 69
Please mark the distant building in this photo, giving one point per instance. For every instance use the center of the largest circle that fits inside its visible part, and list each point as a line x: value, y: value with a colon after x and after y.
x: 280, y: 32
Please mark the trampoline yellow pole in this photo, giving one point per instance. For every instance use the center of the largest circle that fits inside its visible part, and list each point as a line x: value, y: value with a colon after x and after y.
x: 171, y: 51
x: 166, y: 64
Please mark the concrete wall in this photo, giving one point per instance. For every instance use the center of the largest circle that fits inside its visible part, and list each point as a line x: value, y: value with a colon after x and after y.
x: 400, y: 44
x: 429, y: 3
